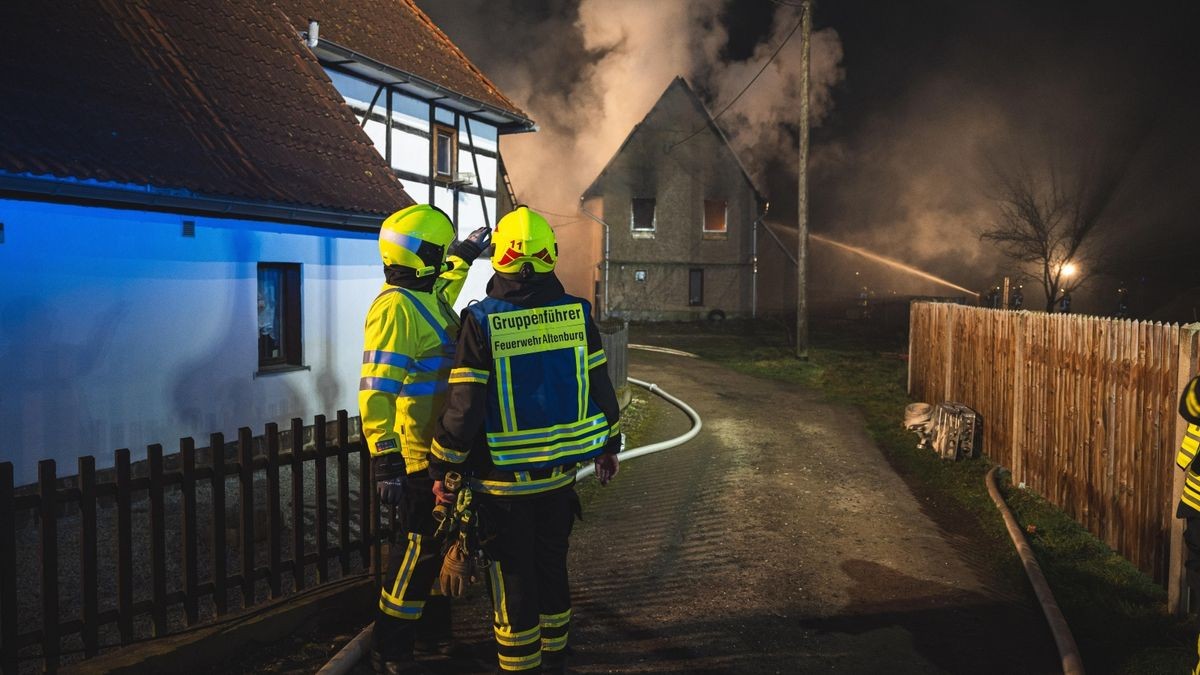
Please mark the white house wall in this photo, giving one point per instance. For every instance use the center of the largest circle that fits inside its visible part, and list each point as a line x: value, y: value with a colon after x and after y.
x: 116, y: 331
x: 410, y: 152
x: 487, y: 168
x: 470, y: 218
x: 484, y: 135
x: 376, y: 131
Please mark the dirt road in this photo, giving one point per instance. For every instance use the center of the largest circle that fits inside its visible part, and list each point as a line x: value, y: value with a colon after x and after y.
x: 778, y: 540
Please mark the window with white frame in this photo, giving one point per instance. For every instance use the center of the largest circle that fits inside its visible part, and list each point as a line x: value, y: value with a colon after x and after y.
x: 641, y: 216
x: 716, y: 225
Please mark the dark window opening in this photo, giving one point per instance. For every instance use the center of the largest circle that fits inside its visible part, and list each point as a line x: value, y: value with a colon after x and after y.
x: 445, y: 152
x: 714, y: 216
x: 695, y: 287
x: 642, y: 217
x: 278, y: 315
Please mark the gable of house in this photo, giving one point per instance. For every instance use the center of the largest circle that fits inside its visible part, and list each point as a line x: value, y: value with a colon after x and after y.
x: 676, y: 123
x: 681, y: 211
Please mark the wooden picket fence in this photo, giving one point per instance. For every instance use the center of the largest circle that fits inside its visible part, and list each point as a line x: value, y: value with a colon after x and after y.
x: 124, y: 584
x: 1083, y: 410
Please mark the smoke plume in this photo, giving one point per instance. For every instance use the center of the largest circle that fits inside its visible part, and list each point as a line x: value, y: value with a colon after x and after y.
x: 588, y: 71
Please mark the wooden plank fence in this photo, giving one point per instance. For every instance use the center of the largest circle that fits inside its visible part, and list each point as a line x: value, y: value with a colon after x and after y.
x: 121, y: 583
x: 1082, y: 409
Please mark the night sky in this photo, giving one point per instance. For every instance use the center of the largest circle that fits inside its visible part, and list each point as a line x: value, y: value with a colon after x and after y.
x: 916, y: 103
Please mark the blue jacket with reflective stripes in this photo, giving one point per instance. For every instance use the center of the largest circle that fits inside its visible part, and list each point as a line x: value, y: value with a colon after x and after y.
x: 529, y: 396
x: 539, y: 412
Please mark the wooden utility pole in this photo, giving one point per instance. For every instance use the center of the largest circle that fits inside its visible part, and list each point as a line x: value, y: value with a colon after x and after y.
x: 802, y: 197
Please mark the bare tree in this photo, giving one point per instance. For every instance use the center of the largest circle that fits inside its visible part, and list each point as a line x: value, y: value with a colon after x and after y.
x: 1048, y: 220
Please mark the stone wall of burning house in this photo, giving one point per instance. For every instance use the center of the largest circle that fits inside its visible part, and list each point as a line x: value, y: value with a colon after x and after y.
x: 681, y: 212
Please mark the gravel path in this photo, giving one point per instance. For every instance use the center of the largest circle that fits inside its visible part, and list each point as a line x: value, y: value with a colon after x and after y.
x: 780, y: 540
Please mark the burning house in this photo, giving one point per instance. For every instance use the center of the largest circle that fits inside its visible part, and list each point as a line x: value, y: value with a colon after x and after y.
x: 679, y: 213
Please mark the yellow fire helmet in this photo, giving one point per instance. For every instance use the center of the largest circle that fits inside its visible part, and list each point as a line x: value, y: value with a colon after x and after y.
x: 416, y: 237
x: 524, y: 236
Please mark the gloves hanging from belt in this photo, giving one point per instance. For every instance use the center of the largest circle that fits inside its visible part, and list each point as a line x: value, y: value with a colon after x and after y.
x: 390, y: 478
x: 469, y: 249
x: 458, y: 570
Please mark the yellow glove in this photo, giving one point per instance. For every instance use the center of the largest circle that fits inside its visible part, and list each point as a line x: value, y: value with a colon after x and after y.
x: 457, y: 571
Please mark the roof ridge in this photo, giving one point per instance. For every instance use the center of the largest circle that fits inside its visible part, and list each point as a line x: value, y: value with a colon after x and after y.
x: 680, y: 82
x: 459, y: 53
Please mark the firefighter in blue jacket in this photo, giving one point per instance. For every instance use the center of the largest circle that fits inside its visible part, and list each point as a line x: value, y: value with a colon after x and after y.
x: 408, y: 350
x: 529, y: 400
x: 1189, y: 500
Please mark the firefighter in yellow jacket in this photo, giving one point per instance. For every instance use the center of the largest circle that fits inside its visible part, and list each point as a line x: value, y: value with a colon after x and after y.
x: 1189, y: 500
x: 529, y: 400
x: 407, y: 354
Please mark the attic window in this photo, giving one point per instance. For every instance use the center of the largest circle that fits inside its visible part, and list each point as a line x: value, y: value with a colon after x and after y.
x: 445, y: 152
x: 715, y: 218
x: 641, y: 216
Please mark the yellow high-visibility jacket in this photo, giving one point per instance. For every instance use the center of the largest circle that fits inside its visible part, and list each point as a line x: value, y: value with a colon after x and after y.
x: 408, y: 350
x: 1189, y: 409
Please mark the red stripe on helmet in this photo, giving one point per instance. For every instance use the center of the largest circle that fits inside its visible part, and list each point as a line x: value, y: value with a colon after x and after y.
x: 509, y: 256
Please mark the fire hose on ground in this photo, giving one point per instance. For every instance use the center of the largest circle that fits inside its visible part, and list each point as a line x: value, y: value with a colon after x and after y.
x: 356, y: 649
x: 1072, y: 663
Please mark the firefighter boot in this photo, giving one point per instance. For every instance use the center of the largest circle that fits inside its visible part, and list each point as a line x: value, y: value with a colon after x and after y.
x: 405, y: 667
x: 555, y: 662
x: 434, y: 629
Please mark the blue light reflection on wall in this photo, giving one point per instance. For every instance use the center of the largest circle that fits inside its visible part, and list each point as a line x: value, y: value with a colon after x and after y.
x: 117, y: 331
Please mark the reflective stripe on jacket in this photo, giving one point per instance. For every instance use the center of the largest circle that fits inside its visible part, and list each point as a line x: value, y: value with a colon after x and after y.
x: 408, y: 350
x: 1189, y: 409
x: 529, y: 396
x: 539, y: 411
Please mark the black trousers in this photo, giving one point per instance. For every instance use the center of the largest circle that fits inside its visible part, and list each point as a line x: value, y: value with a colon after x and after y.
x: 1191, y: 539
x: 407, y: 611
x: 531, y: 595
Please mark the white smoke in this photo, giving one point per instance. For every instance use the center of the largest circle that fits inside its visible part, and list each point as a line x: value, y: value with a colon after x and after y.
x: 760, y: 123
x: 588, y: 73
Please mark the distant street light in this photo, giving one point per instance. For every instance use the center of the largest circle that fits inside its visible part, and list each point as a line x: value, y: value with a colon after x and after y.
x: 1069, y: 270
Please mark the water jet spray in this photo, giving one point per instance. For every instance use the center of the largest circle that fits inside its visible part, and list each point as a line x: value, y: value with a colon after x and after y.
x: 893, y: 263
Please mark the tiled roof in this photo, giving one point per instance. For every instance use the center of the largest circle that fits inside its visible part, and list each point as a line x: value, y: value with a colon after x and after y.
x: 220, y: 99
x: 678, y: 84
x: 398, y: 34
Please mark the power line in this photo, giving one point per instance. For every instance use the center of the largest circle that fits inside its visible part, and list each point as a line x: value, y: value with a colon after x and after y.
x: 573, y: 222
x: 753, y: 79
x: 550, y: 213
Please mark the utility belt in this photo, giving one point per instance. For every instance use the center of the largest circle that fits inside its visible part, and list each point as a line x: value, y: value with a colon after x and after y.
x: 502, y: 483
